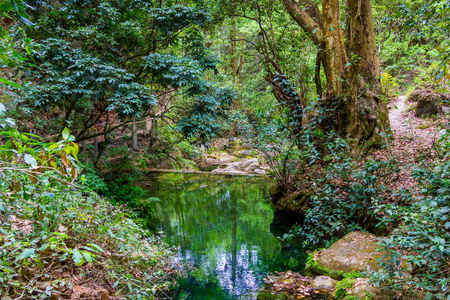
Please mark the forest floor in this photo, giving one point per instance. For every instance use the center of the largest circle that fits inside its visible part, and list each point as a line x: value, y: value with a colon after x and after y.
x: 412, y: 136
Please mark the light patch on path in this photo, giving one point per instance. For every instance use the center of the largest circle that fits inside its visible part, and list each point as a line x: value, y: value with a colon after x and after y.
x: 412, y: 136
x: 405, y: 125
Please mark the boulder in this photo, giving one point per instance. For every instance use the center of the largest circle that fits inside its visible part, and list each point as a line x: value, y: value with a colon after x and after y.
x: 427, y: 107
x: 290, y: 285
x: 355, y: 252
x: 428, y: 101
x: 229, y: 170
x: 294, y: 203
x: 362, y: 289
x: 323, y: 282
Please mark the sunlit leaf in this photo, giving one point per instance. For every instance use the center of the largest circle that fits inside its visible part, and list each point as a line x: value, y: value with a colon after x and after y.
x: 77, y: 257
x: 65, y: 133
x: 29, y: 159
x: 8, y: 82
x: 26, y: 254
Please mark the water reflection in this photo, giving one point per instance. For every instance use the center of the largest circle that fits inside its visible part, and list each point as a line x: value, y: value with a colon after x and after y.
x: 222, y: 227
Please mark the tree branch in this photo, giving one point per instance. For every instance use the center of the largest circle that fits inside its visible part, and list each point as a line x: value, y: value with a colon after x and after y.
x: 305, y: 20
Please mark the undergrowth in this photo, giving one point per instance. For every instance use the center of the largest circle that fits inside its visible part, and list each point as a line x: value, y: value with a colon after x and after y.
x: 59, y: 242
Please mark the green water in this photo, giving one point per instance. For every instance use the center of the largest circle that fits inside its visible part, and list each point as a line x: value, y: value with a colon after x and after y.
x: 222, y: 226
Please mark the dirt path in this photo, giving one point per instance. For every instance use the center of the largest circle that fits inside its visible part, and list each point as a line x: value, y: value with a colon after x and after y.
x: 395, y: 116
x: 412, y: 136
x: 404, y: 125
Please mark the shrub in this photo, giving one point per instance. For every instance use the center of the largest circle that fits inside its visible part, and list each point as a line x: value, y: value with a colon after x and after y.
x: 122, y: 190
x: 344, y: 199
x: 56, y: 241
x: 422, y: 240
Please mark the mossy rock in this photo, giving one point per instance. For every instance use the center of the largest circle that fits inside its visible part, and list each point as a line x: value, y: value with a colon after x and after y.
x: 269, y: 296
x: 355, y: 252
x: 361, y: 289
x: 428, y: 101
x: 296, y: 202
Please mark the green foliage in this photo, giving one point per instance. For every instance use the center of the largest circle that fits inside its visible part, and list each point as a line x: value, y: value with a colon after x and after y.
x: 343, y: 200
x: 422, y: 239
x: 107, y: 63
x: 312, y: 265
x: 410, y: 33
x: 342, y: 286
x: 76, y: 81
x: 123, y: 190
x: 389, y: 84
x: 14, y: 8
x: 343, y: 192
x: 202, y: 123
x: 92, y: 180
x: 52, y: 233
x: 11, y: 46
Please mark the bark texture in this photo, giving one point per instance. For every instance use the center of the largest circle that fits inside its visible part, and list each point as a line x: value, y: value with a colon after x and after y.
x: 352, y: 69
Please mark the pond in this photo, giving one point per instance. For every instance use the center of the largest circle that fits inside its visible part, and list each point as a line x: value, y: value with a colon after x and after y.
x: 222, y: 226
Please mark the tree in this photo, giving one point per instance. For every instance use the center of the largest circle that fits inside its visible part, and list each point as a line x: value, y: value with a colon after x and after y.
x: 351, y: 67
x: 104, y: 64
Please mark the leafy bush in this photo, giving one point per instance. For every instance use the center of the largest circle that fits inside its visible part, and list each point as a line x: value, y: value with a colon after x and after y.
x: 92, y: 180
x: 389, y: 84
x: 344, y: 199
x: 56, y: 241
x: 122, y: 190
x: 422, y: 240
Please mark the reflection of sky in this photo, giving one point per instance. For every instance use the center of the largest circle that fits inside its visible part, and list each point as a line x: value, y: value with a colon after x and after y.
x: 241, y: 280
x: 227, y: 239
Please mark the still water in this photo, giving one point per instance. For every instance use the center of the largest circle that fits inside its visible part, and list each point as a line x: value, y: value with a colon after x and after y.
x: 222, y: 226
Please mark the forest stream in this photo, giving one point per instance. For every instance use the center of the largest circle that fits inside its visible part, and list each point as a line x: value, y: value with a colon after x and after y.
x: 222, y: 226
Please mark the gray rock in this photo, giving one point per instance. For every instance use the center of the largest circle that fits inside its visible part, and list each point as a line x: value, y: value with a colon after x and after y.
x: 246, y: 152
x: 355, y: 252
x: 252, y: 167
x: 427, y: 107
x: 323, y: 283
x: 259, y: 172
x: 427, y: 99
x: 362, y: 289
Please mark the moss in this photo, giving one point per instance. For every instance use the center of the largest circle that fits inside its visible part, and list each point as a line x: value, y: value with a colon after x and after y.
x: 265, y: 295
x: 341, y: 288
x: 347, y: 283
x: 314, y: 267
x: 425, y: 126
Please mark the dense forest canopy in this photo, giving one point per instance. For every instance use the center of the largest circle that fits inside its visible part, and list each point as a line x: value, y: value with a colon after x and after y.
x: 343, y: 103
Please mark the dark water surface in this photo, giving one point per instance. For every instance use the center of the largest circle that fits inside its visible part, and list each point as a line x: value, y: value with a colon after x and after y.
x: 221, y: 225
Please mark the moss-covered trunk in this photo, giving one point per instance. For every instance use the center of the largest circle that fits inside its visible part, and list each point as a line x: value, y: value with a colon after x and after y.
x: 352, y: 101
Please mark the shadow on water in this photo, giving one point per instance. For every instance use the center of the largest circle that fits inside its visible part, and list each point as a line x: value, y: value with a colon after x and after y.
x: 222, y: 226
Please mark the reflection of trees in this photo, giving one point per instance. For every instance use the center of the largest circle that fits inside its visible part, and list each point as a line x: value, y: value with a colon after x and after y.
x: 223, y: 228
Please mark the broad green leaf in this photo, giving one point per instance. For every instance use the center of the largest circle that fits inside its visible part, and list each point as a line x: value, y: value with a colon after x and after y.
x: 29, y: 159
x: 65, y: 133
x: 74, y: 149
x: 53, y: 146
x: 26, y: 254
x: 77, y: 257
x: 31, y: 151
x: 87, y: 256
x: 6, y: 81
x: 156, y: 199
x: 97, y: 247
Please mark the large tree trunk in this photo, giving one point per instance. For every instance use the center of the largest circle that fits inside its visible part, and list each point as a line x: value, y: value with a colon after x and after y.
x: 353, y: 85
x: 366, y: 116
